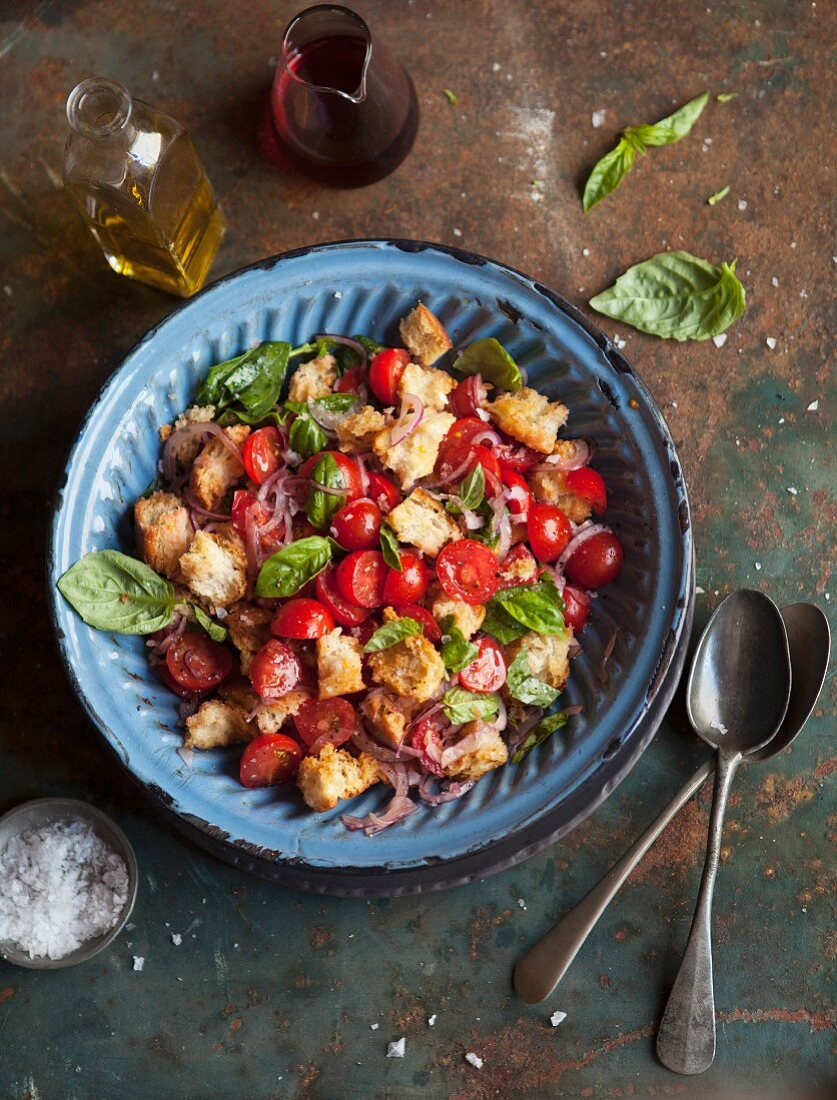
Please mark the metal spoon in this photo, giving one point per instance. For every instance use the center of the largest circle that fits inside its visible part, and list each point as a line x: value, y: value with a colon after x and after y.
x: 737, y: 698
x: 542, y: 967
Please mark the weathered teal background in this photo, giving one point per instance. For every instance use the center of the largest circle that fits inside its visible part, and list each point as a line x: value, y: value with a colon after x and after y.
x: 273, y: 994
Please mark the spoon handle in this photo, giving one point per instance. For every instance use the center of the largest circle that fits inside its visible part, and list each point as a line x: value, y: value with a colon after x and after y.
x: 544, y: 965
x: 686, y: 1039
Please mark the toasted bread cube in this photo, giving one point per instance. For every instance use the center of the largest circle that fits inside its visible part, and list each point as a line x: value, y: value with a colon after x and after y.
x: 415, y: 456
x: 550, y: 486
x: 270, y: 717
x: 216, y: 724
x: 548, y: 656
x: 314, y: 379
x: 491, y: 754
x: 530, y: 417
x: 424, y: 335
x: 467, y: 617
x: 422, y: 521
x: 334, y: 774
x: 163, y: 531
x: 249, y: 627
x: 430, y: 386
x: 215, y: 566
x: 339, y: 665
x: 389, y: 719
x: 412, y: 668
x: 356, y: 432
x: 216, y: 469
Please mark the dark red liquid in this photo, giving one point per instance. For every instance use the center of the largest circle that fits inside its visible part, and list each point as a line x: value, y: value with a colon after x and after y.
x: 329, y: 137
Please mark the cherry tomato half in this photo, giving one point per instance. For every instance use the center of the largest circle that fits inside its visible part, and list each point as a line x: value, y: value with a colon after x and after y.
x: 415, y: 611
x: 597, y: 562
x: 517, y: 457
x: 576, y: 607
x: 549, y: 531
x: 302, y: 618
x: 467, y: 571
x: 178, y: 689
x: 275, y: 670
x: 470, y: 394
x: 245, y: 502
x: 518, y: 567
x: 320, y: 719
x: 269, y: 759
x: 344, y: 612
x: 347, y: 467
x: 357, y: 526
x: 463, y: 431
x: 408, y: 585
x: 461, y: 460
x: 349, y: 382
x: 385, y: 372
x: 262, y: 453
x: 427, y: 738
x: 520, y: 500
x: 197, y: 663
x: 360, y: 578
x: 384, y: 492
x: 590, y: 486
x: 487, y: 671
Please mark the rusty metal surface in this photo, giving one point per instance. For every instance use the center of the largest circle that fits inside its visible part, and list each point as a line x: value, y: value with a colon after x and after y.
x: 274, y: 994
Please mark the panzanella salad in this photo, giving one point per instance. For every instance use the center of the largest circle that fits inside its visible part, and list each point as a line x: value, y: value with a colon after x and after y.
x: 376, y: 580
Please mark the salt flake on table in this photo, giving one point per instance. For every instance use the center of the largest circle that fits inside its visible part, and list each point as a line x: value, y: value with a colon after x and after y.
x: 812, y: 408
x: 557, y: 1017
x: 598, y: 117
x: 176, y: 939
x: 431, y: 1020
x: 474, y: 1060
x: 139, y: 962
x: 521, y: 903
x: 771, y: 342
x: 719, y: 340
x: 758, y: 566
x: 774, y: 281
x: 374, y: 1027
x: 396, y: 1050
x: 742, y: 204
x: 793, y: 492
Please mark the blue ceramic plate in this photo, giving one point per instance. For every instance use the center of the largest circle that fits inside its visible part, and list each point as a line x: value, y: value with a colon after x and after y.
x: 366, y: 286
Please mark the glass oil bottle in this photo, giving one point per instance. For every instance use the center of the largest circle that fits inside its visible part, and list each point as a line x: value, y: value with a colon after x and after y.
x: 141, y: 188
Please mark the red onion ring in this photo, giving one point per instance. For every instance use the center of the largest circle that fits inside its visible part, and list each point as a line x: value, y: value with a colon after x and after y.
x: 409, y: 418
x: 471, y: 743
x: 488, y: 436
x: 448, y: 793
x: 327, y: 420
x: 580, y: 457
x: 220, y: 517
x: 364, y: 474
x: 193, y: 431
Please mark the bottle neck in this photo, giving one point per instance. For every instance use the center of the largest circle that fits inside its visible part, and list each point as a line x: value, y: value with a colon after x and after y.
x: 101, y: 110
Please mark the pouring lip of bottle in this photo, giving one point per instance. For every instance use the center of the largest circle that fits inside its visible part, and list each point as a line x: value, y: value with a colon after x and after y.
x: 99, y: 108
x: 354, y: 23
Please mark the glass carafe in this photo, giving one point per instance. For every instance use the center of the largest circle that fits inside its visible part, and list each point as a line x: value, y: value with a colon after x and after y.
x: 141, y: 188
x: 344, y: 108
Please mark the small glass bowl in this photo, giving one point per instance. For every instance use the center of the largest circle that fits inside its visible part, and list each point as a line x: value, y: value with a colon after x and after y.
x: 46, y: 811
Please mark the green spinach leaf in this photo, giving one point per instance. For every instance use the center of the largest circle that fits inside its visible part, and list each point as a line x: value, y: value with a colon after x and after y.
x: 114, y: 592
x: 457, y: 652
x: 525, y: 687
x: 216, y: 631
x: 391, y: 634
x: 460, y: 706
x: 543, y: 730
x: 322, y: 506
x: 292, y: 567
x: 676, y: 296
x: 489, y: 358
x: 389, y: 548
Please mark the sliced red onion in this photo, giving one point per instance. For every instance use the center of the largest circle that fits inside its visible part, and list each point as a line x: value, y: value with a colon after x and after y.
x: 400, y: 807
x: 502, y: 719
x: 219, y: 517
x: 573, y: 650
x: 162, y: 640
x: 252, y: 544
x: 586, y: 531
x: 557, y: 574
x: 457, y: 472
x: 193, y: 431
x: 519, y: 732
x: 328, y: 420
x: 448, y: 793
x: 348, y: 342
x: 580, y: 457
x: 472, y: 743
x: 329, y: 490
x: 412, y: 411
x: 488, y: 436
x: 364, y: 474
x: 366, y: 744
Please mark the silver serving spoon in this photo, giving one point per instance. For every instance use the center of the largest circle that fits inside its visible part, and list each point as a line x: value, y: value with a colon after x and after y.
x: 737, y: 698
x: 542, y: 967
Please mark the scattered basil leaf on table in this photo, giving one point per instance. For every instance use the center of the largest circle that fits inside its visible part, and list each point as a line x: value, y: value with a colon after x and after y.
x: 527, y: 688
x: 725, y: 97
x: 292, y: 567
x: 389, y: 548
x: 722, y: 194
x: 457, y: 652
x: 461, y: 706
x: 676, y: 296
x: 321, y: 506
x: 489, y: 358
x: 536, y: 736
x: 450, y: 96
x: 609, y: 172
x: 472, y: 489
x: 216, y: 631
x: 111, y: 591
x: 537, y: 607
x: 391, y: 634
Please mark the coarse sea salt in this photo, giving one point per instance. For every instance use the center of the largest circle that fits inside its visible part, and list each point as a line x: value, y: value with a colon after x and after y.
x: 60, y: 885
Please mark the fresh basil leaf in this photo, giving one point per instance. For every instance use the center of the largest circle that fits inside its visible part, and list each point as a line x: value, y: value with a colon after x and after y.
x: 501, y: 625
x: 216, y: 631
x: 322, y: 506
x: 725, y: 97
x: 114, y: 592
x: 489, y: 358
x: 608, y: 173
x: 472, y: 488
x: 372, y: 346
x: 536, y: 736
x: 292, y: 567
x: 722, y: 194
x: 457, y: 652
x: 485, y: 534
x: 461, y: 706
x: 154, y: 486
x: 257, y: 379
x: 391, y: 634
x: 525, y: 687
x: 212, y: 390
x: 537, y: 607
x: 306, y: 437
x: 337, y: 402
x: 389, y: 548
x: 676, y: 296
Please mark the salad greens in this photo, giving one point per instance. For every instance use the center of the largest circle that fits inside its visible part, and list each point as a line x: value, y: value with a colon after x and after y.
x: 527, y: 688
x: 215, y: 630
x: 321, y: 506
x: 490, y: 359
x: 536, y: 736
x: 461, y: 706
x: 389, y: 548
x: 391, y: 634
x: 111, y: 591
x: 456, y: 651
x: 292, y: 567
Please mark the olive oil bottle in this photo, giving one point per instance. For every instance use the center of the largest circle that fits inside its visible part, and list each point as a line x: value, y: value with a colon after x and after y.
x: 141, y: 188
